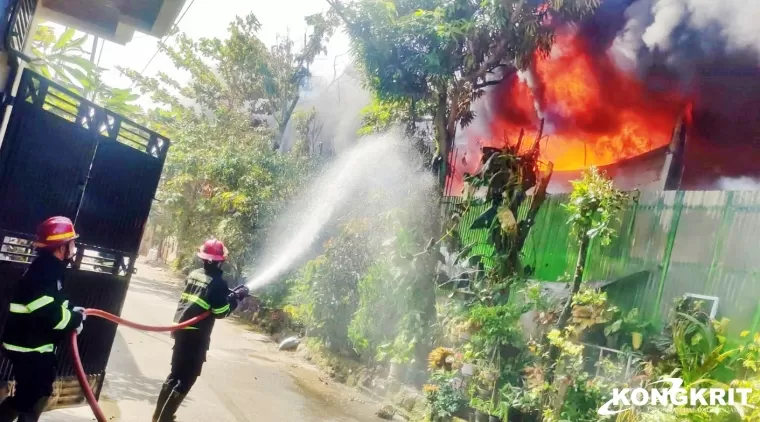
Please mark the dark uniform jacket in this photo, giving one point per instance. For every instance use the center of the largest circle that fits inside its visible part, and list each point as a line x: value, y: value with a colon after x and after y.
x: 205, y: 290
x: 39, y: 314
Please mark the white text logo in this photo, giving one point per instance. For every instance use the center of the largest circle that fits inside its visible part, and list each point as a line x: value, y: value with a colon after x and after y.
x: 628, y: 398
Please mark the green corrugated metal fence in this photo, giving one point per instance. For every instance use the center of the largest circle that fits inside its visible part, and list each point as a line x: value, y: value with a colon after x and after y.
x: 669, y: 243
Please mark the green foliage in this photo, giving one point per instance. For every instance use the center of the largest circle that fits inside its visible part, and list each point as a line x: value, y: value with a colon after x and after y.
x: 366, y: 329
x: 496, y: 326
x: 594, y: 205
x: 327, y: 287
x: 390, y: 286
x: 590, y: 308
x: 443, y: 395
x: 400, y: 351
x: 238, y: 75
x: 223, y: 179
x: 698, y: 352
x: 63, y: 60
x: 308, y: 129
x: 438, y: 56
x: 381, y: 116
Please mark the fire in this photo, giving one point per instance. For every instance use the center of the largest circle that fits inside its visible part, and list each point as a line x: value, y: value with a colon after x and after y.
x: 594, y: 112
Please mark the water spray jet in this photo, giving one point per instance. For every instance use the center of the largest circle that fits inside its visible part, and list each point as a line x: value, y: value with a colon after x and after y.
x: 372, y: 161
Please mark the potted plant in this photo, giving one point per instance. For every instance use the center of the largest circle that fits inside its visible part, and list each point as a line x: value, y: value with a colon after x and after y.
x: 444, y: 395
x: 485, y: 410
x: 399, y: 353
x: 469, y: 357
x: 629, y: 324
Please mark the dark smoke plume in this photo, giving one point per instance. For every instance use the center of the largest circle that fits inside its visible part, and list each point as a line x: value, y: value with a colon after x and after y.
x: 710, y: 51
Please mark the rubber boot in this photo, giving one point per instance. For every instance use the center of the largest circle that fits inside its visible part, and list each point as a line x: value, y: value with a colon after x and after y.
x: 8, y: 411
x: 171, y: 406
x: 166, y: 391
x: 34, y: 414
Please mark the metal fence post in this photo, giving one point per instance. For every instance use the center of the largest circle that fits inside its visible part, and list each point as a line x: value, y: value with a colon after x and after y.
x: 677, y: 208
x: 720, y: 239
x: 626, y: 248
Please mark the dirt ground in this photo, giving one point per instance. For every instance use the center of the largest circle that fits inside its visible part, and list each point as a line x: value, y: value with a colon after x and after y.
x: 245, y: 378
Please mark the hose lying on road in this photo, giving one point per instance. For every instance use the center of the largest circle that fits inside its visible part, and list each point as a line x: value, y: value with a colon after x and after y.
x: 82, y: 377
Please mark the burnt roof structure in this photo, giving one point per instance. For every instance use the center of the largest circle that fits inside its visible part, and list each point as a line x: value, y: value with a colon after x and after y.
x: 658, y: 169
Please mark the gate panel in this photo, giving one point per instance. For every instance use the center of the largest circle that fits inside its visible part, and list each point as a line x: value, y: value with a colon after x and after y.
x: 63, y: 155
x: 44, y: 161
x: 119, y: 194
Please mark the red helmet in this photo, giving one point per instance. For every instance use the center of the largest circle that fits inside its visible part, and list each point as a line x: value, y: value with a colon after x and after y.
x: 55, y: 232
x: 213, y: 250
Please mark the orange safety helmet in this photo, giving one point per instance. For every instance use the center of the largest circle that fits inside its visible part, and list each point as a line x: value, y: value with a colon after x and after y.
x: 213, y: 250
x: 55, y: 232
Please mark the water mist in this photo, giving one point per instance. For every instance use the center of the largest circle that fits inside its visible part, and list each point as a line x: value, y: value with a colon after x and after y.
x: 378, y: 161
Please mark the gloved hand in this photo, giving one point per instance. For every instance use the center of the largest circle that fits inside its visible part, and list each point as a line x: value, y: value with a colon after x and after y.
x: 80, y: 328
x: 81, y: 311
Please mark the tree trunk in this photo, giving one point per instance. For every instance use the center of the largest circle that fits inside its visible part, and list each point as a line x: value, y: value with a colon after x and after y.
x: 286, y: 117
x: 564, y: 317
x: 442, y: 136
x: 580, y: 266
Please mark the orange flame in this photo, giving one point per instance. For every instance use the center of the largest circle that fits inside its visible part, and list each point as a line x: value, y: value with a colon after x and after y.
x: 595, y: 113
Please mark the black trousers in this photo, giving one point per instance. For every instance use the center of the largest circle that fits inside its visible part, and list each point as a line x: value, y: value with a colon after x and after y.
x: 188, y: 356
x: 35, y: 374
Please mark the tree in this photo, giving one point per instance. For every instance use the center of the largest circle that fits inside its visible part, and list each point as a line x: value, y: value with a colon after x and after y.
x: 62, y: 60
x: 438, y: 56
x: 222, y: 177
x: 594, y: 205
x: 308, y: 129
x: 239, y: 74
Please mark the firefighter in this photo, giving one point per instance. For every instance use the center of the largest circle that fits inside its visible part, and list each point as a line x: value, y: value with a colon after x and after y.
x: 205, y: 291
x: 39, y: 319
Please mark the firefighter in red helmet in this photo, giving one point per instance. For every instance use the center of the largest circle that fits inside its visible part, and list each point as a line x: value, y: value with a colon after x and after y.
x: 39, y: 319
x: 205, y: 291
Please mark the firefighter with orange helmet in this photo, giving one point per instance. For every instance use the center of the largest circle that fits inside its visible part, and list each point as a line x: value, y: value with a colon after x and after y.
x: 205, y: 291
x: 39, y: 319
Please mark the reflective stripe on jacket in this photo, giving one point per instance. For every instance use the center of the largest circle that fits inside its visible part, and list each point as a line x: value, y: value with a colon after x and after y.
x: 205, y: 290
x: 39, y: 317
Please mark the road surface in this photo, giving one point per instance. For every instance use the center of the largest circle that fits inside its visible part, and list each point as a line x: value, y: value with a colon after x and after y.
x: 244, y: 379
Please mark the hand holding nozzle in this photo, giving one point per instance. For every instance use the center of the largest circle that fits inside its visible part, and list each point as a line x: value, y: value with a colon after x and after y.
x: 241, y: 292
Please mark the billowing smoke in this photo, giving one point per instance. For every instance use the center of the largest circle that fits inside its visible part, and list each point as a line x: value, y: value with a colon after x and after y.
x: 689, y: 31
x: 338, y: 104
x: 710, y: 51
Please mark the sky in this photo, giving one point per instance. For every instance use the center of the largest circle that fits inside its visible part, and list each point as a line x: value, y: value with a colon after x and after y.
x: 210, y: 18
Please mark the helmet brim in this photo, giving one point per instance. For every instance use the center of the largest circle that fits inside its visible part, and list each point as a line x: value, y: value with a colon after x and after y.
x: 54, y: 244
x: 209, y: 257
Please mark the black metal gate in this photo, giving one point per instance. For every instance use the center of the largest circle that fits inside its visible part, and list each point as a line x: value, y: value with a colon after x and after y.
x: 63, y: 155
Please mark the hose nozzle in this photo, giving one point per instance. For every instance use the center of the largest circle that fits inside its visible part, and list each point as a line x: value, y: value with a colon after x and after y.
x: 241, y: 292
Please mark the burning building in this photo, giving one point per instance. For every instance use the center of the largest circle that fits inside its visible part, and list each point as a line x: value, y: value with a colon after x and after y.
x: 659, y: 93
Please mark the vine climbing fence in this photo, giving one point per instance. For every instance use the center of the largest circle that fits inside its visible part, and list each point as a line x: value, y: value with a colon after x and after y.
x: 668, y: 244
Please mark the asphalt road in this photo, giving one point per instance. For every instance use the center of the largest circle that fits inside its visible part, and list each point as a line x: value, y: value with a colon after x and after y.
x: 244, y: 379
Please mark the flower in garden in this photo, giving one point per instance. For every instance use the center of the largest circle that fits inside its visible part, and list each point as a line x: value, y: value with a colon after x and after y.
x: 441, y: 358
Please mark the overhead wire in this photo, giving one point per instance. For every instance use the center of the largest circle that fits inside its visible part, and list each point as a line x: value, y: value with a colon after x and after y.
x: 166, y: 37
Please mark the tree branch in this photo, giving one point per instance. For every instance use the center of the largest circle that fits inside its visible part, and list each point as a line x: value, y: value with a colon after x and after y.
x: 337, y: 7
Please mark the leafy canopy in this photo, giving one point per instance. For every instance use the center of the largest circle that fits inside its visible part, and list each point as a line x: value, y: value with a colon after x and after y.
x: 237, y: 75
x: 62, y: 59
x: 594, y: 205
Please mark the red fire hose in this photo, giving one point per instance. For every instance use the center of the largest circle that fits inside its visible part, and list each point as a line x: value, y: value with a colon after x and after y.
x: 82, y: 377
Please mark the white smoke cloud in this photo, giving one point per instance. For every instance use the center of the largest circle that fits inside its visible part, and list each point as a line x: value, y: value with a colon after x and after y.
x: 685, y: 30
x: 738, y: 184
